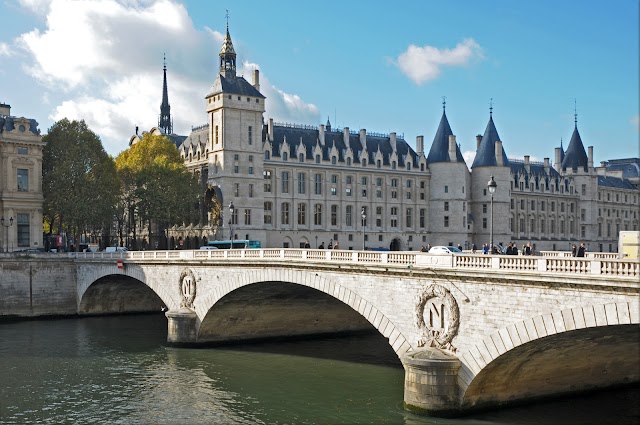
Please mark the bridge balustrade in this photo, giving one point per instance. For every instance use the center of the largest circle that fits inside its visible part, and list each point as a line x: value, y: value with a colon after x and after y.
x: 549, y: 264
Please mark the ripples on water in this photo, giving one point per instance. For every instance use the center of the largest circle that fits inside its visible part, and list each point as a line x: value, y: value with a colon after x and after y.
x: 118, y: 370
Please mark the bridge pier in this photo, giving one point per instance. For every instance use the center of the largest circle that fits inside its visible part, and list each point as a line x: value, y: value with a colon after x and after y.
x: 431, y: 382
x: 182, y: 329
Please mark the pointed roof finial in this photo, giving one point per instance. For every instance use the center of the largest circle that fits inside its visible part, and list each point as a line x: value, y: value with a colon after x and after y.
x: 561, y: 143
x: 490, y: 107
x: 444, y: 103
x: 164, y: 61
x: 575, y: 113
x: 227, y: 16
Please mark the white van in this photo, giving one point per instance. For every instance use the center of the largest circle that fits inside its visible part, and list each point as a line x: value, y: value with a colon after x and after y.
x: 116, y: 249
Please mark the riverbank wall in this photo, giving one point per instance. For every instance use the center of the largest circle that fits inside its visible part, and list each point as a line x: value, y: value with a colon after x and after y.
x: 31, y: 287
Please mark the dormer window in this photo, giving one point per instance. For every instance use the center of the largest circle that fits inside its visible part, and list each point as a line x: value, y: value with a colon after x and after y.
x: 301, y: 157
x: 364, y: 162
x: 284, y: 156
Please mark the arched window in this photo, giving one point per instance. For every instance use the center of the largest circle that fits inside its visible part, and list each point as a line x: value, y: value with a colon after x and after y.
x: 317, y: 159
x: 348, y: 161
x: 408, y: 166
x: 267, y: 155
x: 393, y: 165
x: 378, y: 164
x: 333, y: 160
x: 284, y: 156
x: 301, y: 157
x: 364, y: 162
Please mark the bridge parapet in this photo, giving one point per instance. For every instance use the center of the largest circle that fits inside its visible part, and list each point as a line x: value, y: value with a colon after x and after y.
x: 503, y: 263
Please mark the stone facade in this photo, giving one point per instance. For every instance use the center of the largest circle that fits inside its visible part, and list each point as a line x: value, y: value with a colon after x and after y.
x: 20, y: 182
x: 293, y: 185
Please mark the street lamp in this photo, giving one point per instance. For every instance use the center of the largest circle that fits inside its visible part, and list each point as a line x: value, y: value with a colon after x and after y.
x: 6, y: 227
x: 231, y: 210
x: 492, y: 185
x: 363, y: 214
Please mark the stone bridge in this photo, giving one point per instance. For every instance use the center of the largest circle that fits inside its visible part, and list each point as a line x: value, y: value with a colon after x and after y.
x: 472, y: 331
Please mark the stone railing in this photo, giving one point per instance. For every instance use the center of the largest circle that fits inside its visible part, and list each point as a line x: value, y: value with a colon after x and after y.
x: 410, y: 259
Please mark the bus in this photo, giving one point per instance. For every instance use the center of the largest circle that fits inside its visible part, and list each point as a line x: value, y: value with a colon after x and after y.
x: 237, y: 244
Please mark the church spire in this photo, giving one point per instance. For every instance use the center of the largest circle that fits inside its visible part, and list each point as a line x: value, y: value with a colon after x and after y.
x: 227, y: 56
x: 164, y: 120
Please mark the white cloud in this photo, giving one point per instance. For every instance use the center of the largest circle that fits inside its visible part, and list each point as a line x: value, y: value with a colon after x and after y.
x: 5, y: 50
x: 425, y: 63
x: 101, y: 61
x: 283, y: 106
x: 469, y: 156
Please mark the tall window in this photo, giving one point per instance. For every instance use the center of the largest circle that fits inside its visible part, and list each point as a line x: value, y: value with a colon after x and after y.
x: 302, y: 214
x: 334, y: 215
x: 23, y: 229
x: 217, y: 135
x: 317, y: 215
x: 247, y: 217
x: 446, y: 205
x: 301, y: 157
x: 348, y: 216
x: 234, y: 217
x: 394, y: 216
x: 378, y: 216
x: 285, y: 182
x: 409, y: 217
x: 23, y: 180
x: 236, y: 189
x: 422, y: 218
x: 267, y: 212
x: 267, y: 181
x: 285, y: 156
x: 318, y: 184
x: 250, y: 191
x: 284, y: 217
x: 446, y: 221
x: 250, y: 164
x: 250, y: 135
x: 302, y: 185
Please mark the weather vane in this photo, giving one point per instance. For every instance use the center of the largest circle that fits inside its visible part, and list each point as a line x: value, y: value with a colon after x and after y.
x: 444, y: 102
x: 491, y: 107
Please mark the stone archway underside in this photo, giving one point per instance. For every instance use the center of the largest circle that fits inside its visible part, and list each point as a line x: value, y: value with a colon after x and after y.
x: 113, y: 294
x: 563, y: 363
x: 278, y: 310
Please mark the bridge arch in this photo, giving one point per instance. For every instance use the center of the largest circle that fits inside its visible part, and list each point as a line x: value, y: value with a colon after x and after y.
x: 565, y: 351
x: 87, y: 276
x: 398, y: 342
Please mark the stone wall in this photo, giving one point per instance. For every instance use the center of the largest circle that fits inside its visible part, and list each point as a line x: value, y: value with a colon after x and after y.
x: 37, y: 286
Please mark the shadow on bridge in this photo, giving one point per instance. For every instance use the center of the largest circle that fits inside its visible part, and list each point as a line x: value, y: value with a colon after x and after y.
x: 119, y: 294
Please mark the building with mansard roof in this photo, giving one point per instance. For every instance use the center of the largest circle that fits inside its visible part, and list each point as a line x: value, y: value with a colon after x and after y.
x: 293, y: 185
x: 20, y: 182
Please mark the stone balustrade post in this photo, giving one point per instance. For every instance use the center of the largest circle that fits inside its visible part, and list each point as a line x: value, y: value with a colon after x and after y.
x: 596, y: 266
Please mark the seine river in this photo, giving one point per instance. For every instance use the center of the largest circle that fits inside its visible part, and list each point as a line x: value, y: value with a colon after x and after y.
x: 119, y: 370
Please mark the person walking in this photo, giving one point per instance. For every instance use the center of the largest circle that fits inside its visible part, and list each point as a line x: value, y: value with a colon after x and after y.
x: 330, y: 246
x: 574, y: 250
x: 485, y: 249
x: 581, y: 250
x: 474, y: 248
x: 321, y: 245
x: 337, y: 245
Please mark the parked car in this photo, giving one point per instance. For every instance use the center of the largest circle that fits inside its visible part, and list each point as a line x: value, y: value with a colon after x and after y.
x: 444, y: 250
x: 116, y: 249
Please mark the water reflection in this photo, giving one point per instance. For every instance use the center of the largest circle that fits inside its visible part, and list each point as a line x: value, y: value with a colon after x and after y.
x: 119, y: 370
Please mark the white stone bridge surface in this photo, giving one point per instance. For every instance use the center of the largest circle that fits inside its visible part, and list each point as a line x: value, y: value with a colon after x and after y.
x: 471, y: 330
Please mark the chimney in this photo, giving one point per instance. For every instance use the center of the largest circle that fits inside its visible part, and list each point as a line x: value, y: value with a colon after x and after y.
x: 270, y: 129
x: 499, y: 153
x: 5, y: 109
x: 590, y: 158
x: 546, y: 165
x: 452, y: 148
x: 256, y: 79
x: 478, y: 141
x: 345, y: 136
x: 420, y: 144
x: 363, y: 138
x: 392, y: 141
x: 321, y: 134
x: 526, y: 163
x: 557, y: 163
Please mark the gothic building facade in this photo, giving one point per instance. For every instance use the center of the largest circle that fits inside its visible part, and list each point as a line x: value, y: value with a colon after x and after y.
x: 293, y: 185
x: 20, y: 182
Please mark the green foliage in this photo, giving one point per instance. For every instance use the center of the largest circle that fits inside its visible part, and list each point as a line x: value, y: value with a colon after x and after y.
x: 79, y: 180
x: 157, y: 185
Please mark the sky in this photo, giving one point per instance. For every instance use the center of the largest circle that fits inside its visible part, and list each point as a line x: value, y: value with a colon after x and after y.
x: 376, y: 65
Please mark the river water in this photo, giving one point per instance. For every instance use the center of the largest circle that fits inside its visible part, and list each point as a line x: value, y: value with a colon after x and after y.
x: 119, y: 370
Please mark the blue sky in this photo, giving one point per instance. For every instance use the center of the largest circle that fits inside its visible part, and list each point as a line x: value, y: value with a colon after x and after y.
x: 373, y: 65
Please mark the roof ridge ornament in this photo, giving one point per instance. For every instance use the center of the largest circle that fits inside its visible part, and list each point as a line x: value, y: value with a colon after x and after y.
x: 491, y: 108
x: 444, y: 103
x: 575, y: 113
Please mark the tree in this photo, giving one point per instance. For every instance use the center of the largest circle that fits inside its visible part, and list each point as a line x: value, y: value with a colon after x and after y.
x: 79, y: 180
x: 156, y: 185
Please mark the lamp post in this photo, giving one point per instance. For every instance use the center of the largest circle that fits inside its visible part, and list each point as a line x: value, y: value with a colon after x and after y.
x: 6, y: 231
x: 363, y: 214
x: 492, y: 185
x: 231, y: 210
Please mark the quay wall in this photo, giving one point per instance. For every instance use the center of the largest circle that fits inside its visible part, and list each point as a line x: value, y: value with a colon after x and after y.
x: 31, y: 287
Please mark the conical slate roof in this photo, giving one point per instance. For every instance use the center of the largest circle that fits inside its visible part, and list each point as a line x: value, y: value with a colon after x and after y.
x: 227, y: 45
x: 575, y: 157
x: 486, y: 153
x: 439, y: 151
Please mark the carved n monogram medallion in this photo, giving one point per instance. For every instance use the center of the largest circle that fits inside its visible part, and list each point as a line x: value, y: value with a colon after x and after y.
x: 437, y: 317
x: 187, y: 287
